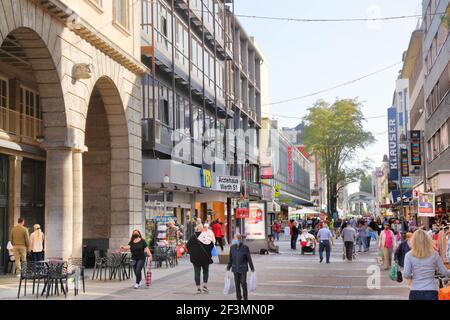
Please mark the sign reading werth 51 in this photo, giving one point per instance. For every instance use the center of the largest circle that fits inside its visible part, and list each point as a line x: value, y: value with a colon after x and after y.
x: 228, y: 183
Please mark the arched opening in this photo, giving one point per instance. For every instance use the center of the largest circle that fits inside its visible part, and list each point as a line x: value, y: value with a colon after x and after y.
x: 32, y: 110
x: 105, y: 169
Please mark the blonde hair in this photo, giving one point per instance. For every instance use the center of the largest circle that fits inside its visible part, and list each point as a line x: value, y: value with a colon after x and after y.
x: 199, y: 228
x: 421, y: 245
x: 37, y: 230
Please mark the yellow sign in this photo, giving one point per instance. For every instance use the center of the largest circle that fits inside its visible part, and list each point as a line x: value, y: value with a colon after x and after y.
x: 277, y: 189
x: 206, y: 177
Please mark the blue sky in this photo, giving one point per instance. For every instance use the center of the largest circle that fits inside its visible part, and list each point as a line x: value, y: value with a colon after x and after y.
x: 307, y: 57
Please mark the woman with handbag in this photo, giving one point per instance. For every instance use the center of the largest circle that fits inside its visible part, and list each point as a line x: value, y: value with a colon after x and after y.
x: 199, y: 247
x: 139, y: 250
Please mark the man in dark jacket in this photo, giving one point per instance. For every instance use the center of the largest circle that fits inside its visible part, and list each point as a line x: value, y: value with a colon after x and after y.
x: 294, y: 235
x: 239, y: 261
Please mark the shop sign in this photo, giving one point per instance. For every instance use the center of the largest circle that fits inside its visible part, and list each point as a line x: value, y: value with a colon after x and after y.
x: 277, y: 190
x: 416, y: 148
x: 206, y: 178
x: 255, y: 223
x: 228, y: 183
x: 266, y: 173
x: 290, y: 166
x: 163, y: 219
x: 243, y: 210
x: 404, y: 159
x: 393, y: 144
x: 379, y: 173
x: 426, y: 207
x: 252, y: 189
x: 407, y: 182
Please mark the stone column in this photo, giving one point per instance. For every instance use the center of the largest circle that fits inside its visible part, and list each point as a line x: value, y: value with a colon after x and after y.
x: 59, y: 203
x: 77, y: 240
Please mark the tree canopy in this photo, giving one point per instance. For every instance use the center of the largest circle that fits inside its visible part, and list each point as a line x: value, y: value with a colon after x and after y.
x: 335, y: 133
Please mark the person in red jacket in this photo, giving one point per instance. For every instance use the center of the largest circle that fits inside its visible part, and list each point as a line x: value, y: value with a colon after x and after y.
x: 218, y: 233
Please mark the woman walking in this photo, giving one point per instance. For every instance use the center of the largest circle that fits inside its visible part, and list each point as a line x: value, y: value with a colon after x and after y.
x: 239, y: 261
x: 403, y: 249
x: 387, y: 244
x: 139, y: 250
x: 218, y: 233
x: 199, y: 247
x: 294, y: 235
x: 37, y: 244
x: 421, y: 264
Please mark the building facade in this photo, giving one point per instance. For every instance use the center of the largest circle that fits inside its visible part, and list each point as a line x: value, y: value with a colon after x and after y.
x: 436, y: 48
x: 70, y: 131
x: 201, y: 112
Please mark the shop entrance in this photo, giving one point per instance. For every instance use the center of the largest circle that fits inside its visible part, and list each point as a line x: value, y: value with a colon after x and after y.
x: 3, y: 212
x: 32, y: 207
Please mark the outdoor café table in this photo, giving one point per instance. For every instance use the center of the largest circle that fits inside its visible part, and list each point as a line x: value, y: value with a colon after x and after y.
x: 66, y: 270
x: 117, y: 264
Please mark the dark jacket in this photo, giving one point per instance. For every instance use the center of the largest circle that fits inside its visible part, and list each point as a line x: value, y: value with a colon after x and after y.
x: 240, y: 259
x: 401, y: 252
x: 295, y: 231
x: 199, y: 253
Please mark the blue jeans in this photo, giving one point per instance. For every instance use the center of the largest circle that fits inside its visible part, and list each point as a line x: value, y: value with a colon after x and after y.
x: 423, y: 295
x: 325, y: 245
x: 37, y: 256
x: 276, y: 235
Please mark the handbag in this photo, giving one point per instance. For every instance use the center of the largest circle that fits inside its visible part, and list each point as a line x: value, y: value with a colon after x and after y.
x: 399, y: 276
x: 214, y: 252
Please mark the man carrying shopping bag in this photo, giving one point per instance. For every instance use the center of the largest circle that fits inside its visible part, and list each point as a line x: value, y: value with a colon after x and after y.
x: 240, y: 260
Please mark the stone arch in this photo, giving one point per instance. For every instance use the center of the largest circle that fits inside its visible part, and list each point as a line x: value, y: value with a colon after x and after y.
x: 106, y: 167
x: 37, y: 33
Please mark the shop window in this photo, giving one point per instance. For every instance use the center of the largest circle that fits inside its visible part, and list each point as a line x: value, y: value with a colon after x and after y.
x: 3, y: 93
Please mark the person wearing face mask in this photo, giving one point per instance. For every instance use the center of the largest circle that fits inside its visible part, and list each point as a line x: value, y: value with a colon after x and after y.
x: 240, y: 260
x: 387, y: 242
x: 139, y: 250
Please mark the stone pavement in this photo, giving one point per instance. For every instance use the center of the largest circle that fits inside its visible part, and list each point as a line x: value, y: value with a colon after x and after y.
x: 287, y: 276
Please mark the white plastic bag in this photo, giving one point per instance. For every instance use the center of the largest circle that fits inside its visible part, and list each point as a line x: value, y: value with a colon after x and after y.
x: 229, y: 287
x: 252, y: 282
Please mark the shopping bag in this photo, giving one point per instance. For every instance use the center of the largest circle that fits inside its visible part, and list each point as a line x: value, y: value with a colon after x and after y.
x: 214, y: 251
x: 148, y: 276
x: 393, y: 272
x: 179, y: 254
x: 444, y: 293
x: 229, y: 287
x: 399, y: 276
x: 252, y: 283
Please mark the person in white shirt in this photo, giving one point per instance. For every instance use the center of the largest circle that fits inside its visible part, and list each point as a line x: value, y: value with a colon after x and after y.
x: 37, y: 243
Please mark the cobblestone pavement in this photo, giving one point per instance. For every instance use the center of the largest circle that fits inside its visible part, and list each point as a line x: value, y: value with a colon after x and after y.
x: 287, y: 276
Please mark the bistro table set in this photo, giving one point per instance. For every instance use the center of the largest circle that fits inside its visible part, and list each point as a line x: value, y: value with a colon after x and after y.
x: 117, y: 263
x: 55, y: 274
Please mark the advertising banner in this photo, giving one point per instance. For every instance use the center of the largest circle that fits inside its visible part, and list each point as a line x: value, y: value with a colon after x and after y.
x: 290, y: 166
x: 416, y: 148
x: 255, y: 227
x: 404, y: 159
x: 426, y: 207
x: 393, y: 144
x: 243, y: 211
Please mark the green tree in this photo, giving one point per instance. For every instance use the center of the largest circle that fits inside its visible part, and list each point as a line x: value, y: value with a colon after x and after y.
x: 365, y: 184
x: 335, y: 133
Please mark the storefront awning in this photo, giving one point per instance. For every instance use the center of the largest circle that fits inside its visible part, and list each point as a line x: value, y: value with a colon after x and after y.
x: 289, y: 198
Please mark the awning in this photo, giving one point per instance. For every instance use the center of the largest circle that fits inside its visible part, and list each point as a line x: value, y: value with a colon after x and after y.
x: 289, y: 198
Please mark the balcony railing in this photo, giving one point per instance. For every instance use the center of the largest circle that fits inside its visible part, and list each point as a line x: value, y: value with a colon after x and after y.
x: 17, y: 124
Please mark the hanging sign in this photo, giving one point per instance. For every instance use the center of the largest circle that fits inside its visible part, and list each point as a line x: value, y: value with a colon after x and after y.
x: 290, y: 166
x: 416, y: 148
x: 228, y: 183
x: 393, y: 143
x: 404, y: 159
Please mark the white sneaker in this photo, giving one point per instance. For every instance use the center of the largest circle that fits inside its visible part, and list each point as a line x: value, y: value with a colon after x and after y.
x: 136, y: 286
x: 140, y: 285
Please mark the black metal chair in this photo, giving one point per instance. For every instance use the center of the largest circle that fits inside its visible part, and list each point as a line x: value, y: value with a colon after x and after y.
x: 126, y: 266
x: 57, y: 274
x: 31, y: 271
x: 161, y: 255
x: 80, y: 264
x: 100, y: 264
x: 114, y: 265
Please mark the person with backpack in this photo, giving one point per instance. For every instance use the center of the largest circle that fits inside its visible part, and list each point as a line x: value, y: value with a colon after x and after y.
x: 199, y: 247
